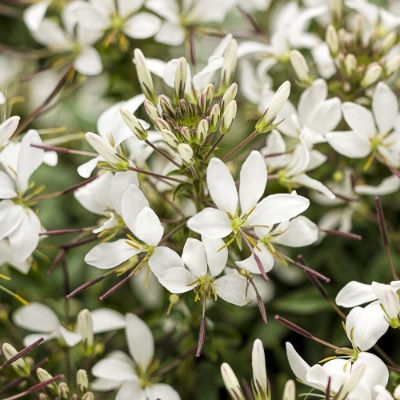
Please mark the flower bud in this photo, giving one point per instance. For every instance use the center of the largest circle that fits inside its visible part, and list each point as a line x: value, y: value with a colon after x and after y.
x: 396, y: 393
x: 151, y: 110
x: 215, y: 114
x: 19, y: 365
x: 336, y: 7
x: 392, y: 65
x: 180, y: 79
x: 372, y: 75
x: 82, y: 381
x: 85, y: 326
x: 44, y: 376
x: 259, y: 370
x: 7, y: 128
x: 186, y: 153
x: 63, y: 389
x: 202, y: 103
x: 145, y: 80
x: 350, y: 64
x: 202, y: 131
x: 300, y: 66
x: 162, y: 124
x: 169, y: 138
x: 102, y: 147
x: 228, y: 96
x: 228, y: 69
x: 209, y: 92
x: 133, y: 124
x: 231, y: 383
x: 388, y: 42
x: 185, y: 132
x: 228, y: 117
x: 332, y: 39
x: 351, y: 381
x: 166, y: 106
x: 289, y: 392
x: 264, y: 124
x: 43, y: 396
x: 88, y: 396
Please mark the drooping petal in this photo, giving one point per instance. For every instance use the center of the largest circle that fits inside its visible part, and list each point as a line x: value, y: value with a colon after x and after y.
x: 178, y: 280
x: 350, y: 144
x: 105, y: 319
x: 221, y: 186
x: 164, y: 259
x: 387, y: 186
x: 70, y: 338
x: 33, y: 15
x: 232, y: 288
x: 88, y: 62
x: 298, y: 365
x: 115, y: 369
x: 253, y: 179
x: 194, y: 257
x: 385, y: 107
x: 148, y: 227
x: 265, y: 257
x: 301, y: 232
x: 140, y: 341
x: 142, y: 26
x: 7, y: 189
x: 133, y: 202
x: 131, y: 390
x: 36, y: 317
x: 305, y: 181
x: 354, y: 294
x: 87, y: 168
x: 359, y: 119
x: 210, y: 222
x: 110, y: 255
x: 162, y: 391
x: 388, y: 297
x: 376, y: 372
x: 11, y: 215
x: 216, y: 258
x: 277, y: 208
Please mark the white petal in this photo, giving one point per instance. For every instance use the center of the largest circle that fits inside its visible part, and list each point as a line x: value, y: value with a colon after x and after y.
x: 305, y: 181
x: 163, y: 259
x: 52, y: 35
x: 350, y: 144
x: 11, y: 215
x: 127, y: 7
x: 194, y: 257
x: 354, y: 294
x: 387, y: 186
x: 131, y: 390
x: 110, y: 255
x: 92, y: 16
x: 87, y: 168
x: 253, y: 179
x: 178, y: 280
x: 222, y: 186
x: 104, y: 385
x: 111, y: 368
x: 140, y: 341
x: 70, y: 338
x: 88, y: 62
x: 216, y: 258
x: 50, y: 158
x: 266, y: 259
x: 7, y: 128
x: 33, y: 15
x: 310, y: 99
x: 36, y: 317
x: 359, y: 119
x: 133, y: 202
x: 326, y: 116
x: 376, y: 372
x: 277, y: 208
x: 385, y: 107
x: 7, y: 189
x: 301, y: 232
x: 105, y: 319
x: 162, y: 391
x: 171, y: 34
x: 34, y: 337
x: 298, y: 365
x: 148, y: 227
x: 210, y: 222
x: 142, y: 26
x: 232, y: 288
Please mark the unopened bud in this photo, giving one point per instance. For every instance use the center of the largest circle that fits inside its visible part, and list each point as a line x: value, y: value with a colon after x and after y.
x: 202, y: 103
x: 82, y: 381
x: 388, y: 42
x: 186, y: 153
x: 43, y: 396
x: 228, y: 117
x: 350, y: 64
x: 7, y: 128
x: 19, y: 365
x: 342, y: 38
x: 228, y: 96
x: 88, y: 396
x: 180, y: 79
x: 259, y: 369
x: 102, y: 147
x: 151, y: 110
x: 228, y: 69
x: 215, y: 114
x: 145, y: 80
x: 44, y: 376
x: 231, y: 383
x: 336, y: 7
x: 332, y: 39
x: 166, y: 106
x: 396, y: 393
x: 264, y: 124
x: 300, y: 66
x: 392, y: 65
x: 173, y: 299
x: 202, y: 131
x: 85, y: 326
x: 209, y: 92
x: 63, y: 389
x: 359, y: 27
x: 185, y: 132
x: 289, y: 392
x: 372, y: 75
x: 162, y: 124
x: 134, y: 125
x: 169, y: 138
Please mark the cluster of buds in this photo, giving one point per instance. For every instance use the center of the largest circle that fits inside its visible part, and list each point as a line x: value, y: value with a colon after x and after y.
x: 62, y: 391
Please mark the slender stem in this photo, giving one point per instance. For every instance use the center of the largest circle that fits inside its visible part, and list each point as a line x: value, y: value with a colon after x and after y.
x: 66, y: 231
x: 214, y: 146
x: 343, y: 234
x: 192, y: 49
x: 177, y: 229
x: 64, y: 150
x: 162, y: 153
x: 161, y: 177
x: 241, y: 145
x: 166, y: 199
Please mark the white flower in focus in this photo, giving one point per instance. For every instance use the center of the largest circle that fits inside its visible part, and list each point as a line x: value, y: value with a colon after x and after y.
x: 132, y: 378
x: 220, y: 222
x: 204, y: 262
x: 375, y: 133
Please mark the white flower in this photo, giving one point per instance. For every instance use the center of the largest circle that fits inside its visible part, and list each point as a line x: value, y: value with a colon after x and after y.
x: 123, y: 16
x: 40, y: 318
x: 219, y: 223
x: 375, y: 133
x: 204, y: 262
x: 132, y: 377
x: 7, y: 128
x: 7, y: 257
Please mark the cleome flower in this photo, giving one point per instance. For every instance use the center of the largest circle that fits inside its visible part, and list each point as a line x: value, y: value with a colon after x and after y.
x: 226, y: 219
